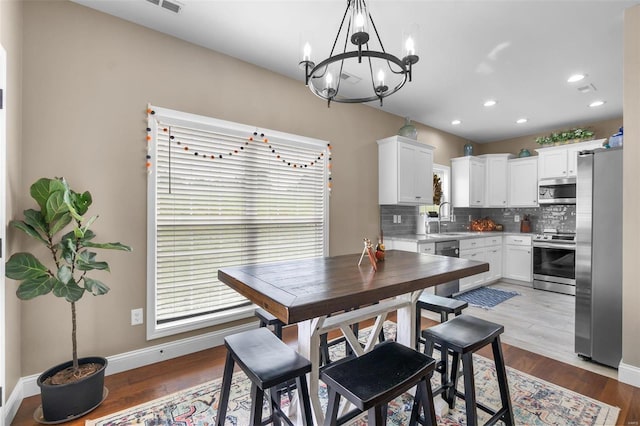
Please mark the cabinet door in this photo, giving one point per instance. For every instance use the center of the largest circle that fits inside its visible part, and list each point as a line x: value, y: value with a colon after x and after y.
x: 474, y: 280
x: 477, y: 177
x: 523, y: 182
x: 496, y: 182
x: 423, y: 175
x: 517, y: 263
x: 427, y: 248
x: 406, y: 173
x: 552, y: 164
x: 494, y: 257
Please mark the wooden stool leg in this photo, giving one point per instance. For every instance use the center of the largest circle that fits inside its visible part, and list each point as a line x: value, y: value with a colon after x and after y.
x: 423, y: 399
x: 225, y: 389
x: 274, y: 396
x: 418, y: 327
x: 469, y: 390
x: 377, y: 416
x: 257, y: 400
x: 454, y: 376
x: 502, y: 382
x: 324, y: 350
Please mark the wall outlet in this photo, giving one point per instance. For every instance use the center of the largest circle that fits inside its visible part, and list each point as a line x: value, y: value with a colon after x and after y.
x: 399, y: 219
x: 395, y: 218
x: 516, y: 218
x: 137, y: 316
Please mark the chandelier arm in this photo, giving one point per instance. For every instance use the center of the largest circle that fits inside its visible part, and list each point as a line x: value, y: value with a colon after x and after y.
x: 340, y: 29
x: 375, y: 29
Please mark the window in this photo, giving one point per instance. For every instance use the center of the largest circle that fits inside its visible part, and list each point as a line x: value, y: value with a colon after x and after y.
x: 444, y: 173
x: 225, y: 194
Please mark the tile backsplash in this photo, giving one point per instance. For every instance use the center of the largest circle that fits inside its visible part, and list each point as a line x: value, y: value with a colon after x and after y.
x: 561, y: 217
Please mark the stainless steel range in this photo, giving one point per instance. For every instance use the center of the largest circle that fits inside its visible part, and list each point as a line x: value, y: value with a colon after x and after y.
x: 554, y: 262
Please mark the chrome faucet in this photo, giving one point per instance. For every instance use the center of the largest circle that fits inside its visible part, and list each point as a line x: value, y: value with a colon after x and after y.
x: 440, y: 215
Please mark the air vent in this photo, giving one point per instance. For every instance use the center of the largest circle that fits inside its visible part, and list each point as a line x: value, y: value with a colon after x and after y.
x: 350, y: 78
x: 587, y: 88
x: 172, y: 6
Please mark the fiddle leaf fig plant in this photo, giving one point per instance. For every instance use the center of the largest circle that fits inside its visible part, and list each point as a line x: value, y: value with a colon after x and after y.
x: 71, y: 255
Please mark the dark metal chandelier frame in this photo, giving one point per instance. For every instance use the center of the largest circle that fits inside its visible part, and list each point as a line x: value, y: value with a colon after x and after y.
x: 316, y: 73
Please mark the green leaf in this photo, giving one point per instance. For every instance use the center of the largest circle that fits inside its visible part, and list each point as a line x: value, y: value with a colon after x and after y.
x: 64, y: 274
x: 41, y: 191
x: 95, y: 287
x: 55, y: 206
x: 85, y: 261
x: 68, y: 246
x: 24, y: 266
x: 36, y: 220
x: 29, y: 230
x: 58, y: 223
x: 71, y: 291
x: 35, y: 287
x: 81, y: 202
x: 109, y: 246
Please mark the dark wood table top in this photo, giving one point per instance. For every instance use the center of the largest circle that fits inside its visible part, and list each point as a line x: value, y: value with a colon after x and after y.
x: 303, y: 289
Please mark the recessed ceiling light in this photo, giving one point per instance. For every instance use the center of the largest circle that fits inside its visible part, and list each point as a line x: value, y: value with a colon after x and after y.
x: 596, y: 104
x: 490, y: 102
x: 575, y: 77
x: 456, y: 122
x: 521, y: 120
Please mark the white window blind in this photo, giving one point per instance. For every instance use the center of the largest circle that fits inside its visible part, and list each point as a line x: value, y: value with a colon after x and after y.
x: 223, y: 196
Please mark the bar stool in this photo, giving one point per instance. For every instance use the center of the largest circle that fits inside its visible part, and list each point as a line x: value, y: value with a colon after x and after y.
x: 268, y: 320
x: 374, y: 379
x: 462, y: 336
x: 438, y: 304
x: 268, y: 363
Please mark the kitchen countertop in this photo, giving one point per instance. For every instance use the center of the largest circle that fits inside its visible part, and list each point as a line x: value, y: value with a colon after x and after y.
x: 448, y: 236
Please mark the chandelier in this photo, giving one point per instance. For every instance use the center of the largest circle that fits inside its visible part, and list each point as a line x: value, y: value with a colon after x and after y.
x: 377, y: 74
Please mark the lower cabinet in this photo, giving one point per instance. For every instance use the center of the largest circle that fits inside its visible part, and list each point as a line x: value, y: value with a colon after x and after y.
x: 486, y: 249
x: 518, y: 258
x: 478, y: 254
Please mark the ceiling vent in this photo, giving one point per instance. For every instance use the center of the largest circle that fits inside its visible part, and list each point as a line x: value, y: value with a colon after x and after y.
x: 587, y: 88
x: 350, y: 78
x: 172, y: 5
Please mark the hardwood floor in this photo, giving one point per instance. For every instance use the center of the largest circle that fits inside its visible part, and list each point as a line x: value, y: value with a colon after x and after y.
x: 146, y: 383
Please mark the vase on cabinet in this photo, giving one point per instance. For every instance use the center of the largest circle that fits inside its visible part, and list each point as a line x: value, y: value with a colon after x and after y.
x: 468, y: 150
x: 408, y: 130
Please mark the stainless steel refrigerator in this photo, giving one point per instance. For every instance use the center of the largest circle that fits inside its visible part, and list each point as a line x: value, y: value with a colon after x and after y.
x: 599, y: 256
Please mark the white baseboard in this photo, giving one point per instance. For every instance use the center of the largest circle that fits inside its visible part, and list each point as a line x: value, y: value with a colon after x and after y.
x: 27, y: 386
x: 629, y: 374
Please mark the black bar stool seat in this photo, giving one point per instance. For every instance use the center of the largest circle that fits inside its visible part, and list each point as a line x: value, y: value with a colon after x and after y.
x: 268, y: 320
x: 267, y: 362
x: 461, y: 337
x: 438, y: 304
x: 374, y: 379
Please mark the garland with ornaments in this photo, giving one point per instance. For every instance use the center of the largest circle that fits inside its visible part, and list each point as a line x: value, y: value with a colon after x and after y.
x: 256, y: 137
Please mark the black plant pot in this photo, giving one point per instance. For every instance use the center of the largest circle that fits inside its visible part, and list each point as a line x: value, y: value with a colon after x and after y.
x: 72, y: 400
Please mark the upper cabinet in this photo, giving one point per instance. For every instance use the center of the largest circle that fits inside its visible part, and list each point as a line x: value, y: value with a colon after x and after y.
x: 468, y: 178
x: 405, y: 171
x: 523, y: 182
x: 561, y: 161
x: 496, y: 178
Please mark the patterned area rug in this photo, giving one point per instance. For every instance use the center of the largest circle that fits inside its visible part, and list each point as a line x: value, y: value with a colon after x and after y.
x: 535, y: 402
x: 486, y: 297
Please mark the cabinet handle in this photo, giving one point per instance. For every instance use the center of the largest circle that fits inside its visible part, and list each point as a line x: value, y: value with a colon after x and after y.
x: 518, y: 241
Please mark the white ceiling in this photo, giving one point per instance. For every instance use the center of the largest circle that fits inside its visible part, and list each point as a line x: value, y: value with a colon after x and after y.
x: 517, y: 52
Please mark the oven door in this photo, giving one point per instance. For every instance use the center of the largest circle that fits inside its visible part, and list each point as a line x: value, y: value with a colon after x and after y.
x: 554, y: 263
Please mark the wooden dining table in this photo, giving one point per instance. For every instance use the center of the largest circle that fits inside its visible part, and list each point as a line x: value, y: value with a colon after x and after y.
x: 327, y: 293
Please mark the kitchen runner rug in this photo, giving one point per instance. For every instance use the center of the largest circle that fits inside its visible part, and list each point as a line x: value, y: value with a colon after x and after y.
x: 535, y: 402
x: 486, y: 297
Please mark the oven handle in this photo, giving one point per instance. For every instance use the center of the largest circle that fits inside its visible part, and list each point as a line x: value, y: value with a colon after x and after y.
x: 555, y: 246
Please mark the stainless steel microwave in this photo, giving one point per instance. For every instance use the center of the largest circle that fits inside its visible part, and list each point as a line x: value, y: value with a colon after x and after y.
x: 557, y: 191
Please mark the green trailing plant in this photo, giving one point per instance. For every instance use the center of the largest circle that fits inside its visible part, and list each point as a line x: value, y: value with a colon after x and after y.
x: 71, y: 252
x: 564, y: 136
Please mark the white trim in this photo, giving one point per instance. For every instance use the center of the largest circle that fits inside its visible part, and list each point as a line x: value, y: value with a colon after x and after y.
x: 3, y: 236
x: 629, y: 374
x: 13, y: 402
x: 27, y: 386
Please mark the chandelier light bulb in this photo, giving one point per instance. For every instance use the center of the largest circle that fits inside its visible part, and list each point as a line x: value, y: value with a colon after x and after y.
x: 380, y: 78
x: 306, y: 52
x: 409, y: 46
x: 328, y: 81
x: 358, y: 25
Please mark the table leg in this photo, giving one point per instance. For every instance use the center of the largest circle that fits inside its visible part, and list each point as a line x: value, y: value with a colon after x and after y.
x: 406, y: 325
x: 309, y: 347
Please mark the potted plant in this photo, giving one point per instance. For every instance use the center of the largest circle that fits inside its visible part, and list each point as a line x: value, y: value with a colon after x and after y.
x: 74, y: 388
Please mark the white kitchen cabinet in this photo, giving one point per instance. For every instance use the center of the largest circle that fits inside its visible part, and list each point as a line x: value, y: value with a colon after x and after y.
x: 409, y: 245
x: 518, y: 258
x: 493, y: 256
x: 405, y: 171
x: 562, y: 161
x: 427, y: 248
x: 473, y: 249
x: 496, y: 178
x: 523, y: 182
x: 468, y: 181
